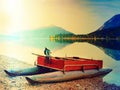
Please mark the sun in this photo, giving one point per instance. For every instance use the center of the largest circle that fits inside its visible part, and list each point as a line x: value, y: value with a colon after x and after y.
x: 13, y: 12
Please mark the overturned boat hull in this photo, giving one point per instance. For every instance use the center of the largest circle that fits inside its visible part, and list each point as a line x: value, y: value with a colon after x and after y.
x: 60, y: 76
x: 28, y: 71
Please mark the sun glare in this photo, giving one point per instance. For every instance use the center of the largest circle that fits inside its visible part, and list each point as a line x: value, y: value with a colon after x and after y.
x: 14, y: 9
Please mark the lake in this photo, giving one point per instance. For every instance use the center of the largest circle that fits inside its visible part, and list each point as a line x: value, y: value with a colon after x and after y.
x: 108, y: 51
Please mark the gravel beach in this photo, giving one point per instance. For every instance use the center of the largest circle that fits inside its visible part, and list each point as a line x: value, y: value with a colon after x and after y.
x: 19, y: 83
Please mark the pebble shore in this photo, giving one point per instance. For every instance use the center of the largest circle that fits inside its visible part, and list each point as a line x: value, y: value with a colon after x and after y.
x: 19, y: 83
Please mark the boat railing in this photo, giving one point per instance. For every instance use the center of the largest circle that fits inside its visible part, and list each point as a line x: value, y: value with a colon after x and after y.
x: 37, y: 54
x: 66, y: 58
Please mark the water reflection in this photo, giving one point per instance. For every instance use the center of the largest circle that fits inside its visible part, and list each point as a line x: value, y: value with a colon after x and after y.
x: 109, y: 44
x: 109, y: 47
x: 41, y: 43
x: 22, y: 48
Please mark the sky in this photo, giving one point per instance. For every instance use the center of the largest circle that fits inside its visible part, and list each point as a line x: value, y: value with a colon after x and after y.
x: 77, y: 16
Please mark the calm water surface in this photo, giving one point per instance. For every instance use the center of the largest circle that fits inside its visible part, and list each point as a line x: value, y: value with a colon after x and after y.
x: 22, y: 49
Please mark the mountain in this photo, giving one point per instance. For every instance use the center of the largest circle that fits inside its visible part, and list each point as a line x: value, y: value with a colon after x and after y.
x: 110, y: 28
x: 45, y: 32
x: 111, y: 23
x: 39, y: 38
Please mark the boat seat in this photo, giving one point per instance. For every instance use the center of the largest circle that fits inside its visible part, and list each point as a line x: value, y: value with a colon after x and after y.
x: 57, y: 58
x: 75, y: 57
x: 65, y: 58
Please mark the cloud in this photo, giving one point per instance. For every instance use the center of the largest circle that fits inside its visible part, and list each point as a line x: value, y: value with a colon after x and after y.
x: 104, y: 5
x: 105, y: 9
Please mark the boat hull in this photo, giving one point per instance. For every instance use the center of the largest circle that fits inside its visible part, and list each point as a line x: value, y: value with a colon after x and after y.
x: 59, y: 76
x: 28, y: 71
